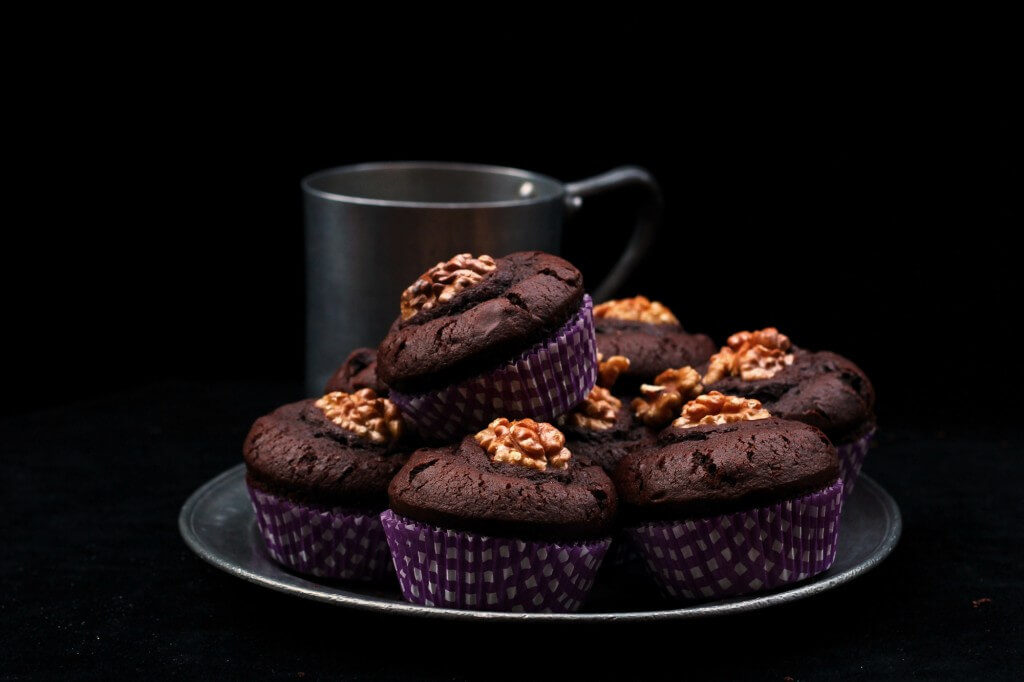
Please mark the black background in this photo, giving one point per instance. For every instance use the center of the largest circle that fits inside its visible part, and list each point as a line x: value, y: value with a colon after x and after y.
x: 168, y: 240
x: 154, y: 293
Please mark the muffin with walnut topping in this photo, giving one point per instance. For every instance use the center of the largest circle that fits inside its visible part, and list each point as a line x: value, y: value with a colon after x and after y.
x: 317, y: 473
x: 506, y: 520
x: 649, y: 335
x: 822, y: 389
x: 603, y: 428
x: 732, y: 500
x: 481, y: 337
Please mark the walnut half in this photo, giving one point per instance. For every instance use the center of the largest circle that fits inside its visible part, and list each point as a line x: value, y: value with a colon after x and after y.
x: 716, y: 408
x: 364, y: 414
x: 441, y: 282
x: 608, y: 371
x: 526, y: 442
x: 751, y: 355
x: 637, y: 309
x: 662, y: 400
x: 598, y: 411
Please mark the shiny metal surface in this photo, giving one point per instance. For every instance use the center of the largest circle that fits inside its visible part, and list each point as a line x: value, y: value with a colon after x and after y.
x: 217, y: 523
x: 372, y: 229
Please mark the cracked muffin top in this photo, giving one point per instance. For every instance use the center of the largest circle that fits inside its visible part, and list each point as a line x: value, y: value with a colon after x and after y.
x: 470, y: 315
x: 723, y: 468
x: 298, y: 451
x: 822, y: 389
x: 463, y: 487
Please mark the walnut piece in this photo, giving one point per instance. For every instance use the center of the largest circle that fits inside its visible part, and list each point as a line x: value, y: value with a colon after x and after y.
x: 364, y: 414
x: 715, y: 408
x: 526, y: 442
x: 763, y: 363
x: 721, y: 365
x: 608, y: 371
x: 659, y: 406
x: 751, y: 356
x: 685, y: 381
x: 662, y: 400
x: 769, y: 337
x: 441, y: 282
x: 598, y: 411
x: 638, y: 309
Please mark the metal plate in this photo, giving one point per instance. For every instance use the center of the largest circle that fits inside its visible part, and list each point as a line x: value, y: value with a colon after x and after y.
x: 217, y: 522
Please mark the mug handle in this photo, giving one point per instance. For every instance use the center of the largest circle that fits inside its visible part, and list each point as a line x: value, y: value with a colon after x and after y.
x: 647, y: 219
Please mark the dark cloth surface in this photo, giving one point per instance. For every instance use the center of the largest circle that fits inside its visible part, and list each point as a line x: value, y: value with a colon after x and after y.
x: 96, y: 580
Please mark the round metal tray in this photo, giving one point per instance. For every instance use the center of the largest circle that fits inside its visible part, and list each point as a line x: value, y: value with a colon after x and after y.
x: 218, y: 524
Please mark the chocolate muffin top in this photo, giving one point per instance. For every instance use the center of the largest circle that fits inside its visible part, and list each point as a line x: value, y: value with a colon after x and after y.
x: 722, y: 468
x: 358, y: 371
x: 462, y: 487
x: 454, y: 326
x: 297, y: 452
x: 822, y: 389
x: 649, y: 335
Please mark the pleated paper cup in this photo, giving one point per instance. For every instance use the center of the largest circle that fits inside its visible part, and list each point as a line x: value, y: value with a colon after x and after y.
x: 459, y: 570
x: 750, y: 551
x: 325, y: 543
x: 543, y: 382
x: 851, y: 459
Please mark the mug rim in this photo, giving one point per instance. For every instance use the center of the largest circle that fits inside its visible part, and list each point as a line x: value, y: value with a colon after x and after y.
x: 308, y: 188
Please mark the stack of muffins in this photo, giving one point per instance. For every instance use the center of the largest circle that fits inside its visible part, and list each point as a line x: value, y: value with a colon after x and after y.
x: 507, y: 433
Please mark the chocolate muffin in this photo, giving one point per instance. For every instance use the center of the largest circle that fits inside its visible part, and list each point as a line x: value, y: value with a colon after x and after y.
x: 507, y: 519
x: 462, y: 487
x: 298, y: 451
x: 822, y: 389
x: 358, y: 371
x: 649, y: 335
x: 731, y: 500
x: 721, y: 468
x: 317, y: 472
x: 482, y: 337
x: 603, y: 428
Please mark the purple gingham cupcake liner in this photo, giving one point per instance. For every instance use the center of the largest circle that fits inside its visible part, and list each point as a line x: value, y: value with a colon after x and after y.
x: 459, y: 570
x: 750, y: 551
x: 326, y: 543
x: 851, y: 459
x: 543, y: 382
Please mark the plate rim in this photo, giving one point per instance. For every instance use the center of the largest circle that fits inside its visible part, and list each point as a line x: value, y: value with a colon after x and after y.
x: 341, y: 597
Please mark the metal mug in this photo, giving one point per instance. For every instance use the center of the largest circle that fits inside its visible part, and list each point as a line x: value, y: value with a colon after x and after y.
x: 373, y: 228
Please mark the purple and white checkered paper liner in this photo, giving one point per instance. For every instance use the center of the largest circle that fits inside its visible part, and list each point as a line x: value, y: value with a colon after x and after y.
x: 452, y: 569
x: 732, y: 554
x: 326, y: 543
x: 851, y: 459
x: 544, y: 382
